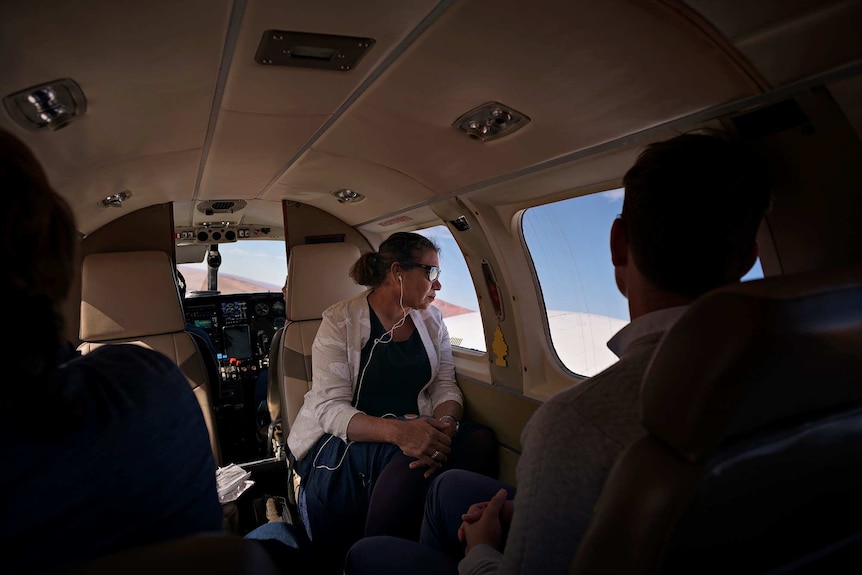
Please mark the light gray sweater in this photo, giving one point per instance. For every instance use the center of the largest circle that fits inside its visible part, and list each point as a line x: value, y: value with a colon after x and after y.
x: 569, y: 447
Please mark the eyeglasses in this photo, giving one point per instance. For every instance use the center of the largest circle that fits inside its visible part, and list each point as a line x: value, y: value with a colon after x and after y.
x: 433, y: 271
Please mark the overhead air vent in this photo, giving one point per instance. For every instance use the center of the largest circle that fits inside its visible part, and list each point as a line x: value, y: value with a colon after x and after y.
x: 490, y: 121
x: 212, y: 207
x: 346, y: 196
x: 47, y: 106
x: 323, y: 51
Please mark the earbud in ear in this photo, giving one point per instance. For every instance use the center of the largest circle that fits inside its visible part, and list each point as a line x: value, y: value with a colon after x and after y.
x: 399, y: 277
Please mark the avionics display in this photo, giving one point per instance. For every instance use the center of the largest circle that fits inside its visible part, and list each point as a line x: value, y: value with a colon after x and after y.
x: 234, y: 312
x: 237, y: 342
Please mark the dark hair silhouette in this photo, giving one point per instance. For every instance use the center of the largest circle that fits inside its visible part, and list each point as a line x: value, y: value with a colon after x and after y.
x: 38, y: 254
x: 371, y: 267
x: 692, y: 208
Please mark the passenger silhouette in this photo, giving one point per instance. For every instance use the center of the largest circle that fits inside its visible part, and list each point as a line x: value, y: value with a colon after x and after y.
x: 100, y: 452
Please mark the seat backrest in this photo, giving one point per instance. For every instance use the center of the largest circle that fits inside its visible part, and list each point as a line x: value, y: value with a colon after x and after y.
x: 132, y: 298
x: 317, y: 277
x: 753, y: 407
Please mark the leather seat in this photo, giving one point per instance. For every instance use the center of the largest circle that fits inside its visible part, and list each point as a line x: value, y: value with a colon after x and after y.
x: 132, y: 298
x: 752, y: 462
x: 317, y: 277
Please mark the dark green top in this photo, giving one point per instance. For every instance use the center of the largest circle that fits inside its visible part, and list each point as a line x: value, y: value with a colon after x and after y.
x: 397, y: 371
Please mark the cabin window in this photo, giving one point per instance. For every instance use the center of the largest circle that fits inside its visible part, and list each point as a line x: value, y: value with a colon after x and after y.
x: 457, y: 299
x: 569, y: 243
x: 755, y: 273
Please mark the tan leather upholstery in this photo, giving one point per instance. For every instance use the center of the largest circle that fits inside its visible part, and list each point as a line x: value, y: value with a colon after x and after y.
x: 132, y: 297
x: 206, y: 553
x: 317, y: 277
x: 753, y: 404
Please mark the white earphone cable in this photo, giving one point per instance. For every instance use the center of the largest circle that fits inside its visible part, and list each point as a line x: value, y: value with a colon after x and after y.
x: 378, y: 340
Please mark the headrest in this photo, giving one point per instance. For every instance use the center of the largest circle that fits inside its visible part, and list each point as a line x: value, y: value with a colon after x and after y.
x: 129, y: 295
x: 752, y: 355
x: 318, y: 275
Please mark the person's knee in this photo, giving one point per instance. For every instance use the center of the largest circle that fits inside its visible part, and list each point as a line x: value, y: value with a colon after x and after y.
x: 365, y: 554
x: 451, y: 479
x: 357, y: 554
x: 446, y: 487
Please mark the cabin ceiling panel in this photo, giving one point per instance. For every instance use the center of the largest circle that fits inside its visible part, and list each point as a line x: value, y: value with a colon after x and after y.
x: 253, y: 87
x: 565, y: 65
x: 147, y: 69
x: 316, y: 174
x: 557, y: 182
x: 264, y: 213
x: 248, y: 150
x: 739, y: 18
x: 417, y: 218
x: 152, y: 180
x: 788, y: 40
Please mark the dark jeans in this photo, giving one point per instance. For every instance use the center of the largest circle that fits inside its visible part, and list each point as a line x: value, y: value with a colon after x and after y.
x: 372, y: 489
x: 287, y: 546
x: 438, y: 550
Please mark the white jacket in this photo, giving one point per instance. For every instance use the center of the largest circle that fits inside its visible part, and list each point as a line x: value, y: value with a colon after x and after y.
x: 335, y: 357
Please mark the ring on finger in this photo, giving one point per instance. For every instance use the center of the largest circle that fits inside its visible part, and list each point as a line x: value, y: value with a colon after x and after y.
x: 434, y: 455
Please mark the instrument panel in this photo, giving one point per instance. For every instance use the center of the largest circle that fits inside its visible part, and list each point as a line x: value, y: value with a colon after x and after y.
x: 241, y: 327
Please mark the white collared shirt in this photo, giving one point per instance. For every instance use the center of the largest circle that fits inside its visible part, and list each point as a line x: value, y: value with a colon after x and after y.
x: 653, y: 322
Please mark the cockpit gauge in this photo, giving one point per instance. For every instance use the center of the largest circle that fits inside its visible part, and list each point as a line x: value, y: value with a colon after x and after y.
x: 261, y: 310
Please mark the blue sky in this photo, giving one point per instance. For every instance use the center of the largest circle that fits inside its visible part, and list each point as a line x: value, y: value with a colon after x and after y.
x: 458, y: 288
x: 570, y: 245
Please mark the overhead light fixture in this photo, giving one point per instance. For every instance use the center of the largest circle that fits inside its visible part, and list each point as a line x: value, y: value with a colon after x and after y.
x: 460, y: 223
x: 116, y: 200
x: 346, y: 196
x: 490, y: 121
x: 52, y: 105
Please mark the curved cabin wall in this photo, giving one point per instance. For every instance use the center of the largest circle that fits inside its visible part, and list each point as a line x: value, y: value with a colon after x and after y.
x: 302, y: 222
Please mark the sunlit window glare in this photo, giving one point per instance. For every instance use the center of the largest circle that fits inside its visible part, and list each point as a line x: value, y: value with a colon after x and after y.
x: 457, y: 300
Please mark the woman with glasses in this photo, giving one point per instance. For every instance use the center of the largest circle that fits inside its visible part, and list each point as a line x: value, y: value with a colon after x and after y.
x: 384, y: 412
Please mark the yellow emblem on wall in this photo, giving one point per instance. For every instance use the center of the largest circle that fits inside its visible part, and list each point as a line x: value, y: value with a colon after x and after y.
x: 500, y: 349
